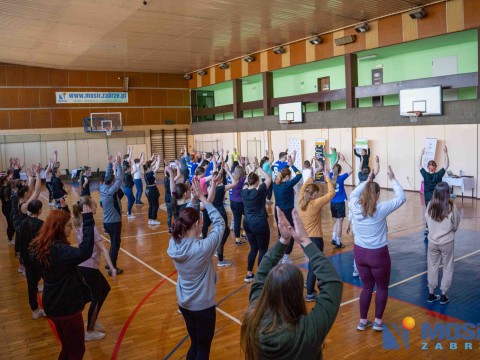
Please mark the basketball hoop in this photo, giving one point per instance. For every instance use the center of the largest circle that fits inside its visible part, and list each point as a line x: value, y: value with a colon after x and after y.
x: 414, y: 115
x: 108, y: 130
x: 284, y: 124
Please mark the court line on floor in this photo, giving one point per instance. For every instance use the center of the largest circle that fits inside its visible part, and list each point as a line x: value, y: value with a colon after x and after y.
x: 130, y: 236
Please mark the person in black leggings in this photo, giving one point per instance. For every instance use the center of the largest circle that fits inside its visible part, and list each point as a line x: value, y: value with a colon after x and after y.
x: 256, y: 226
x: 150, y: 168
x: 5, y: 191
x: 236, y: 202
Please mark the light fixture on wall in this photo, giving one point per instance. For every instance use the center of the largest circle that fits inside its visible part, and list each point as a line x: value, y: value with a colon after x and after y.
x: 202, y: 72
x: 345, y: 40
x: 224, y: 66
x: 249, y: 58
x: 417, y: 13
x: 187, y: 76
x: 279, y: 50
x: 366, y: 57
x: 315, y: 40
x: 361, y: 28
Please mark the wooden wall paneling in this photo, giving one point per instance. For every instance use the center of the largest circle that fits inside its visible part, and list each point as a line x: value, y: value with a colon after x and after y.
x: 199, y: 80
x: 212, y: 74
x: 47, y: 98
x: 237, y: 98
x: 3, y: 75
x: 97, y: 78
x: 134, y: 117
x: 37, y: 76
x: 8, y: 98
x: 4, y: 120
x: 152, y: 116
x: 60, y: 118
x: 20, y: 119
x: 192, y: 83
x: 286, y: 56
x: 219, y: 74
x: 351, y: 79
x: 160, y: 97
x: 298, y: 52
x: 57, y: 77
x: 185, y: 97
x: 115, y: 79
x: 409, y: 28
x: 28, y: 97
x: 267, y: 82
x: 150, y: 80
x: 471, y: 10
x: 326, y: 48
x: 309, y: 51
x: 254, y: 66
x: 244, y: 68
x: 371, y: 37
x: 360, y: 42
x: 143, y: 97
x: 16, y: 75
x: 40, y: 119
x: 390, y: 30
x: 77, y: 116
x: 77, y: 78
x: 455, y: 16
x: 338, y: 50
x: 236, y: 68
x: 228, y: 74
x: 168, y: 80
x: 263, y: 58
x: 206, y: 79
x: 134, y: 79
x: 131, y: 97
x: 435, y: 23
x: 178, y: 80
x: 174, y: 98
x: 274, y: 60
x: 168, y: 114
x: 183, y: 116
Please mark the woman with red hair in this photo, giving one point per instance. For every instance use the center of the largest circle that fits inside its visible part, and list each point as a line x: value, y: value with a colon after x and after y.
x: 65, y: 292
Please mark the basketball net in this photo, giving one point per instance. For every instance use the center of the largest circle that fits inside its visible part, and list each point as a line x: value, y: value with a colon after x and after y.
x: 413, y: 115
x: 284, y: 124
x: 108, y: 130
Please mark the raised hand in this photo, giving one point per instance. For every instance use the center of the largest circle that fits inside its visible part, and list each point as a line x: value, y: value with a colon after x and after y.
x: 298, y: 230
x: 445, y: 148
x: 196, y: 191
x: 290, y: 160
x: 377, y: 159
x: 86, y: 209
x: 283, y: 226
x: 326, y: 171
x: 119, y: 158
x: 391, y: 175
x: 110, y: 157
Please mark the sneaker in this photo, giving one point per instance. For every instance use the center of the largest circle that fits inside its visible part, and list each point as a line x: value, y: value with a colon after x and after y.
x: 179, y: 312
x: 444, y: 299
x: 339, y: 246
x: 119, y: 271
x: 107, y: 267
x: 377, y: 326
x: 170, y: 230
x: 94, y: 335
x: 21, y: 268
x: 11, y: 242
x: 216, y: 255
x: 305, y: 284
x: 249, y: 278
x: 243, y: 236
x: 432, y: 297
x: 98, y: 326
x: 139, y: 203
x: 156, y: 222
x: 425, y: 233
x: 286, y: 259
x: 333, y: 242
x: 268, y: 201
x: 131, y: 216
x: 224, y: 263
x: 362, y: 327
x: 149, y: 222
x: 37, y: 314
x: 232, y: 226
x: 310, y: 298
x: 40, y: 288
x: 51, y: 203
x: 355, y: 273
x: 240, y: 242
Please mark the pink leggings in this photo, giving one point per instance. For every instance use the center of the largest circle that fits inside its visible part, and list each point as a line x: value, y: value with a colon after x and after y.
x: 374, y: 269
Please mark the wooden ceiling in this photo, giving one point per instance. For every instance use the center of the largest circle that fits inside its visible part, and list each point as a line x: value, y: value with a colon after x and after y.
x: 169, y: 36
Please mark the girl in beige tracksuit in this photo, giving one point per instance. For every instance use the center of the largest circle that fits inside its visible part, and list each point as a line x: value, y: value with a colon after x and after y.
x: 443, y: 219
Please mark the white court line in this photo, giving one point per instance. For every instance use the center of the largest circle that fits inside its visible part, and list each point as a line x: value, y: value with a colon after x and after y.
x: 170, y: 280
x: 130, y: 236
x: 414, y: 276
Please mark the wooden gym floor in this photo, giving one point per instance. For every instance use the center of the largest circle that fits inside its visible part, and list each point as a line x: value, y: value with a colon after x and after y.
x: 140, y: 314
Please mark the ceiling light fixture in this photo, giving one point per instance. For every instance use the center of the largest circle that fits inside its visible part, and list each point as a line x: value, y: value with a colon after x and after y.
x: 224, y: 66
x: 315, y: 40
x: 361, y: 28
x: 279, y: 50
x: 366, y: 57
x: 417, y: 13
x: 202, y: 72
x: 249, y: 58
x: 345, y: 40
x: 187, y: 76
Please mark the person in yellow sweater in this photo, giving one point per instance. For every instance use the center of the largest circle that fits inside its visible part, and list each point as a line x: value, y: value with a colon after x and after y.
x: 310, y: 203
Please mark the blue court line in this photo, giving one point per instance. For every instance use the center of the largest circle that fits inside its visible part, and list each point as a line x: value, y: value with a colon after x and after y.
x: 408, y: 254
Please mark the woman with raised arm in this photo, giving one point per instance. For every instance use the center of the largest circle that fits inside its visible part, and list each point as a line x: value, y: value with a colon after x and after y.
x: 283, y: 189
x: 151, y: 190
x: 137, y: 177
x: 128, y: 183
x: 310, y: 209
x: 65, y: 292
x: 196, y: 284
x: 256, y: 226
x: 276, y: 324
x: 90, y: 269
x: 443, y: 219
x: 84, y: 180
x: 5, y: 193
x: 371, y: 244
x: 236, y: 201
x: 180, y: 193
x: 266, y: 165
x: 48, y: 181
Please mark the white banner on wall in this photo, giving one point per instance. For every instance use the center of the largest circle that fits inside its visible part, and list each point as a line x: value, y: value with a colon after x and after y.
x: 90, y: 97
x: 430, y: 149
x: 361, y: 143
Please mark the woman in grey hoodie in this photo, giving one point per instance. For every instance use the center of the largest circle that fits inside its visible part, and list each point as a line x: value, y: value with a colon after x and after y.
x: 192, y: 256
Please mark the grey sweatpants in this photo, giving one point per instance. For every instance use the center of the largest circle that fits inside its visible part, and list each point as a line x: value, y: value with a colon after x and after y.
x: 435, y: 254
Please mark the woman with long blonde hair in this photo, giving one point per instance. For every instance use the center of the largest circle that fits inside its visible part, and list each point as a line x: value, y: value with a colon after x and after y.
x: 371, y: 244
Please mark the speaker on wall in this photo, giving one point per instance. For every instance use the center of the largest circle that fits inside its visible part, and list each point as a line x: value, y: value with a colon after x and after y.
x: 125, y: 83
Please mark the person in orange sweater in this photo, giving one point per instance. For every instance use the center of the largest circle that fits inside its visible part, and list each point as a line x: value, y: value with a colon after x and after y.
x: 311, y: 203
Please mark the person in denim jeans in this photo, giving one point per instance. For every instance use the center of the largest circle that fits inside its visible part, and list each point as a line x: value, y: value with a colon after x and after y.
x: 137, y: 177
x: 128, y: 189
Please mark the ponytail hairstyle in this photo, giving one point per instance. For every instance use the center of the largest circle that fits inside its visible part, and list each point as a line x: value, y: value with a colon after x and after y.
x: 22, y: 191
x: 308, y: 195
x: 238, y: 172
x: 34, y: 207
x: 368, y: 200
x: 440, y: 205
x: 205, y: 163
x: 136, y: 161
x: 52, y: 231
x: 186, y: 219
x: 282, y: 174
x: 200, y: 170
x: 263, y: 161
x: 339, y: 168
x: 252, y: 179
x: 77, y: 210
x: 178, y: 193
